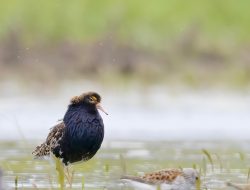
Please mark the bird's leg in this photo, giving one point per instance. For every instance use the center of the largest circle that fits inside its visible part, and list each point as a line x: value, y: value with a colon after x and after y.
x: 69, y: 173
x: 72, y: 177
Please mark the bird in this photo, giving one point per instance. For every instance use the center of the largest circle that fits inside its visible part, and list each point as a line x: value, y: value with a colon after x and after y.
x: 166, y: 179
x: 79, y: 134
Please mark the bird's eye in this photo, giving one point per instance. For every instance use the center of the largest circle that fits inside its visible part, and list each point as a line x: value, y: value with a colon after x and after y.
x: 197, y: 178
x: 93, y: 98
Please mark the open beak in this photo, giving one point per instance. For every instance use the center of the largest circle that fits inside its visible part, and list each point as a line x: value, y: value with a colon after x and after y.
x: 98, y: 106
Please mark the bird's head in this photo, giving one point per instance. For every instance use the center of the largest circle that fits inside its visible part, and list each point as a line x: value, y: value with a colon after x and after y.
x: 191, y: 175
x: 90, y: 99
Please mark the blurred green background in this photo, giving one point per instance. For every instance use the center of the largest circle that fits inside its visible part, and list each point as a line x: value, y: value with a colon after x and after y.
x: 165, y: 42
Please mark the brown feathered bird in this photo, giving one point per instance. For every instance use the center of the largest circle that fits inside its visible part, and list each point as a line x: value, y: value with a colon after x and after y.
x: 80, y: 134
x: 174, y: 179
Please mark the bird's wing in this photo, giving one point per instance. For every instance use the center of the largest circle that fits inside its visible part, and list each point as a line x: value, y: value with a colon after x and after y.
x: 54, y: 136
x: 162, y: 176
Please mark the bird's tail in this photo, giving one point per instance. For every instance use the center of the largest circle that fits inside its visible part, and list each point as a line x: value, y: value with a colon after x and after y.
x: 41, y: 150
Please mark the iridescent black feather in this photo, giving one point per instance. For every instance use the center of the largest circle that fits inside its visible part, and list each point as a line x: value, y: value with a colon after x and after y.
x: 82, y: 134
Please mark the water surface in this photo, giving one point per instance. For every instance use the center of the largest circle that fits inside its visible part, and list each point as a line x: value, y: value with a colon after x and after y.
x: 145, y: 131
x: 116, y: 158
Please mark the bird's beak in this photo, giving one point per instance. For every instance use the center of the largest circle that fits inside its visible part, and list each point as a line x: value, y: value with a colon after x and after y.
x: 98, y: 106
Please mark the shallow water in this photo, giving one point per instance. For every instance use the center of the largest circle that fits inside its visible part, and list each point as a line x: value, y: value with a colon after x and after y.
x: 150, y: 115
x: 144, y: 132
x: 230, y: 163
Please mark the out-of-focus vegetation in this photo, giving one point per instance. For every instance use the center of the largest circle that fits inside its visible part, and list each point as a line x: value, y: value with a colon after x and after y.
x: 166, y: 41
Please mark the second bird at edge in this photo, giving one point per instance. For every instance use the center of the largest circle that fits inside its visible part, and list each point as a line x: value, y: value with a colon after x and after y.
x: 79, y: 136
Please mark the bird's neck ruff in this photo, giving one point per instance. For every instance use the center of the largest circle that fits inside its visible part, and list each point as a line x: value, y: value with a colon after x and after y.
x: 83, y: 108
x: 83, y: 98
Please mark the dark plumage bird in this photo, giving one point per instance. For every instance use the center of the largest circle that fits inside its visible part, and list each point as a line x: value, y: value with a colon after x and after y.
x: 79, y: 136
